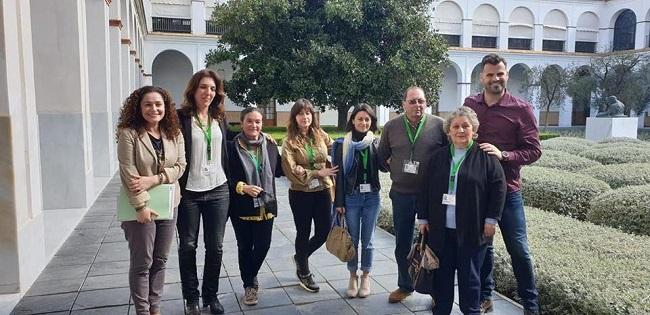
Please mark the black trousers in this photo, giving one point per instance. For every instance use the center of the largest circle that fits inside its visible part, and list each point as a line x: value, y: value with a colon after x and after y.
x: 307, y: 207
x: 212, y: 206
x: 253, y: 242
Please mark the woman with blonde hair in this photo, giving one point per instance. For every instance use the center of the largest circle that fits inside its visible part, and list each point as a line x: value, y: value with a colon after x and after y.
x: 304, y: 157
x: 151, y: 152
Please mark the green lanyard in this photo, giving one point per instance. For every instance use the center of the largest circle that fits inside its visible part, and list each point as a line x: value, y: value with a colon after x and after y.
x: 310, y: 154
x: 412, y: 137
x: 255, y: 157
x: 455, y: 166
x: 364, y: 159
x: 207, y: 133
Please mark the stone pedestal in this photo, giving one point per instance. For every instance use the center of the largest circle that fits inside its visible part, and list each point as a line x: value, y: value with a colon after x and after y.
x: 599, y: 128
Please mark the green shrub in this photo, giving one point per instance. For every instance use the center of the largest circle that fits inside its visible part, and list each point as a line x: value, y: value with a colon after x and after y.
x: 620, y: 175
x: 618, y: 154
x: 564, y: 161
x: 626, y: 208
x: 567, y: 144
x: 581, y: 268
x: 560, y: 191
x: 546, y: 136
x: 623, y: 140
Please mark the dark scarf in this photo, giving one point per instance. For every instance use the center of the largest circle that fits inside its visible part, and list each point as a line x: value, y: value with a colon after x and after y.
x: 253, y: 177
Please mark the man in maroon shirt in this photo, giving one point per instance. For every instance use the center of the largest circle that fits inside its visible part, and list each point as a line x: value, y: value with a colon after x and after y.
x: 509, y: 132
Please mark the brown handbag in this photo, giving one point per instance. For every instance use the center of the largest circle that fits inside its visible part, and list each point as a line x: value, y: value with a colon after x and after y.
x: 422, y: 263
x: 339, y: 241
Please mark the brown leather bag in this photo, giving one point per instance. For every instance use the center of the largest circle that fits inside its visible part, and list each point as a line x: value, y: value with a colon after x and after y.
x: 339, y: 241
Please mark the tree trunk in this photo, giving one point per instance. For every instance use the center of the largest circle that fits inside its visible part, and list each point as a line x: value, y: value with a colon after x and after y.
x: 342, y: 115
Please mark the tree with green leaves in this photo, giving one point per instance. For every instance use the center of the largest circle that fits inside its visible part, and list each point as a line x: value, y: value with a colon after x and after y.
x: 337, y: 53
x: 550, y: 85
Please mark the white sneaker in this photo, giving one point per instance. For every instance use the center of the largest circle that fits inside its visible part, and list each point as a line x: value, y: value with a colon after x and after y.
x: 353, y: 287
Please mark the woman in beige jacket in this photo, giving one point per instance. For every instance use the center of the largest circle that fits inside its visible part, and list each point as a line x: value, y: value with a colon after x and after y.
x: 304, y: 157
x: 151, y: 152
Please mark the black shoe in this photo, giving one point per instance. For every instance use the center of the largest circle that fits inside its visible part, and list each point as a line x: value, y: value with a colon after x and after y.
x: 192, y: 308
x: 307, y: 283
x: 215, y: 306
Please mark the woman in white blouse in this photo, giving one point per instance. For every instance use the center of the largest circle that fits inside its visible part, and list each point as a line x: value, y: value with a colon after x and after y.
x: 204, y: 188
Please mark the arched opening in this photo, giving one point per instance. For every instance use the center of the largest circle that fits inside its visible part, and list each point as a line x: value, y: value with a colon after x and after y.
x: 448, y: 94
x: 447, y: 19
x: 580, y: 92
x: 516, y: 77
x: 521, y: 29
x: 550, y: 109
x: 476, y: 80
x: 485, y: 27
x: 624, y: 31
x: 171, y: 70
x: 555, y: 31
x: 587, y: 33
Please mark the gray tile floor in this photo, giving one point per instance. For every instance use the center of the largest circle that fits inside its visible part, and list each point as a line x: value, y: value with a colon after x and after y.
x: 88, y: 275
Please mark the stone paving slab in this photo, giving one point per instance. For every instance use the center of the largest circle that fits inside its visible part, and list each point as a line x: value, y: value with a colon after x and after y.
x: 89, y: 274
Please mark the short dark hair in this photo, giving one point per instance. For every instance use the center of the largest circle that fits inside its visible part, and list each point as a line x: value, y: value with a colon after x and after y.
x: 363, y: 107
x: 492, y: 59
x: 249, y: 110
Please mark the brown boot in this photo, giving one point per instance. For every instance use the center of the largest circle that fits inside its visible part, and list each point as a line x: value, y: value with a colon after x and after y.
x: 398, y: 295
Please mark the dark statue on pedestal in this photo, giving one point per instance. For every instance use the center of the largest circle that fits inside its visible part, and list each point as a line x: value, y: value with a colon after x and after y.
x: 614, y: 108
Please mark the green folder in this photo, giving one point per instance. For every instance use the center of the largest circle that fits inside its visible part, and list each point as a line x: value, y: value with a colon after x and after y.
x: 161, y: 200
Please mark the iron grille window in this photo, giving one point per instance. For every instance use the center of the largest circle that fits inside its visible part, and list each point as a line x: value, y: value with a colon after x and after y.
x: 552, y: 45
x: 519, y: 43
x: 484, y: 42
x: 171, y: 25
x: 452, y: 40
x: 625, y: 31
x: 585, y: 47
x: 212, y: 28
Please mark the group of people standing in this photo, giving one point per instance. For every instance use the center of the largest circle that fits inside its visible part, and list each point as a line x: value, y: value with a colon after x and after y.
x: 220, y: 174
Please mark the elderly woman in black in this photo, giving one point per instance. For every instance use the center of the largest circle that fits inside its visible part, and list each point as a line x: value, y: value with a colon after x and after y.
x: 458, y: 209
x: 254, y: 162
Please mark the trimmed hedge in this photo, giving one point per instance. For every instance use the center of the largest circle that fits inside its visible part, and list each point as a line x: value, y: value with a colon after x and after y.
x: 627, y: 209
x: 623, y: 140
x: 618, y: 154
x: 567, y: 144
x: 545, y: 136
x: 564, y: 161
x: 581, y: 268
x: 560, y: 191
x: 620, y: 175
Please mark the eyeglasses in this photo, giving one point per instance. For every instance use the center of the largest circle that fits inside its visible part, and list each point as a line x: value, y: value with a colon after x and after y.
x: 417, y: 101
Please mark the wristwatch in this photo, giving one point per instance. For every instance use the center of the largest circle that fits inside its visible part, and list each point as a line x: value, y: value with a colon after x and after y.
x: 505, y: 155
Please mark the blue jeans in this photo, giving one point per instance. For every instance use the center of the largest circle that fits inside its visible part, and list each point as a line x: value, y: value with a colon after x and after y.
x: 404, y: 225
x: 513, y: 230
x: 361, y: 212
x: 212, y: 207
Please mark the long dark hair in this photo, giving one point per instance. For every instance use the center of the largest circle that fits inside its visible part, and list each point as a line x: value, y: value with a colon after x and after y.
x: 293, y: 132
x: 216, y: 109
x: 131, y: 112
x: 363, y: 107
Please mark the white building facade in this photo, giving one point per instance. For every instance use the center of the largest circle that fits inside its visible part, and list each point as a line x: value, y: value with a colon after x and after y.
x: 66, y: 67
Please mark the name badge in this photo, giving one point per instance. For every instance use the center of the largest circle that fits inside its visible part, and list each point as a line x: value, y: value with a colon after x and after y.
x: 449, y: 200
x: 314, y: 183
x: 411, y: 167
x: 365, y: 188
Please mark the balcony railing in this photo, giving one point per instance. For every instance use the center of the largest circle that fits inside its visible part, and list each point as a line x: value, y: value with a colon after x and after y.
x: 171, y: 25
x: 213, y: 29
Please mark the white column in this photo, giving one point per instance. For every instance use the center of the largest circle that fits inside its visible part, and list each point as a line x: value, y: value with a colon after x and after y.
x: 539, y: 37
x: 115, y: 39
x: 571, y: 40
x: 61, y: 85
x: 99, y: 66
x: 465, y: 90
x: 467, y: 34
x: 504, y: 33
x: 566, y: 111
x: 640, y: 40
x: 605, y: 40
x: 125, y: 48
x: 383, y: 115
x: 198, y: 17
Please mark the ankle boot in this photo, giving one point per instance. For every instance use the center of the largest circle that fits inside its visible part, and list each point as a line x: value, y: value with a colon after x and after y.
x: 364, y: 289
x: 353, y: 286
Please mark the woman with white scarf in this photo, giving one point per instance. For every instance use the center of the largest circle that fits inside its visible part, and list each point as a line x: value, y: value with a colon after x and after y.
x: 254, y: 162
x: 357, y: 191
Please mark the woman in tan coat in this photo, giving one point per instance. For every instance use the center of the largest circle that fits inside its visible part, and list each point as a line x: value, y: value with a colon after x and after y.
x: 304, y: 157
x: 151, y: 152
